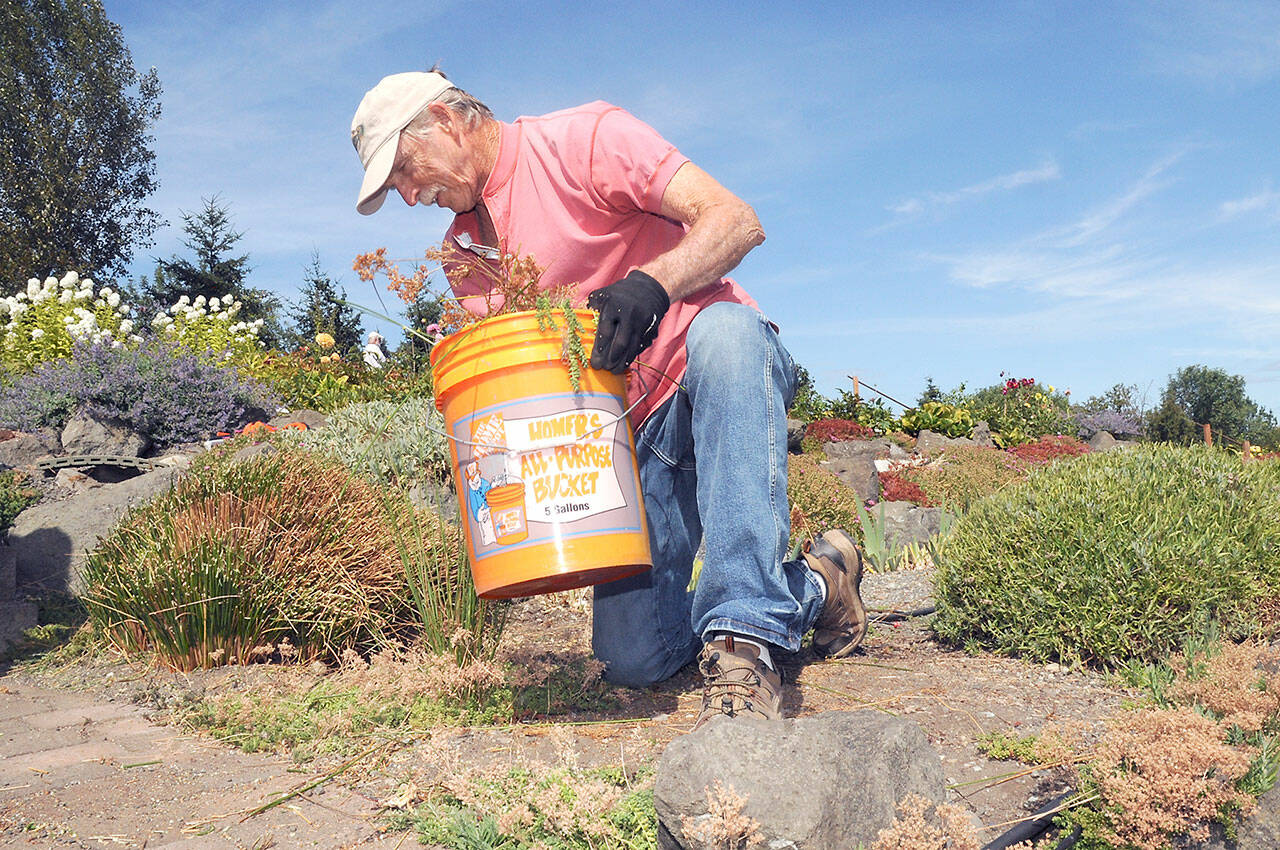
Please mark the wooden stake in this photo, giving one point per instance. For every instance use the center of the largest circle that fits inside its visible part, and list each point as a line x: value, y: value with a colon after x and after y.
x: 1246, y: 452
x: 855, y: 388
x: 1208, y: 435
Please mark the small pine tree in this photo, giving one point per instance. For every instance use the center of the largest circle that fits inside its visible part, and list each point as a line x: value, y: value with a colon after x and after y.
x: 216, y: 271
x: 320, y: 309
x: 931, y: 392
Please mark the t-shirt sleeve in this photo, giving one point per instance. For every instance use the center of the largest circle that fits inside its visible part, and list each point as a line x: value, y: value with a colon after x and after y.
x: 631, y: 164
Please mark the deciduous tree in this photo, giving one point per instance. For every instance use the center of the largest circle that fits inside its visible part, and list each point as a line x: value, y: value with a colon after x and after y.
x: 76, y: 159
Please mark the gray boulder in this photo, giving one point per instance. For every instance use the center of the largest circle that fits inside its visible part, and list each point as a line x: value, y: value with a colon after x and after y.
x: 88, y: 434
x: 51, y: 539
x: 16, y: 616
x: 981, y: 435
x: 795, y: 435
x: 1102, y: 442
x: 929, y: 442
x: 854, y: 463
x: 877, y: 448
x: 310, y: 418
x: 858, y: 473
x: 1259, y: 831
x: 19, y: 450
x: 812, y: 783
x: 907, y: 522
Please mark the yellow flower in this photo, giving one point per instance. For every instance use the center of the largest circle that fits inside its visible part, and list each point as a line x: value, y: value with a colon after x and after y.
x: 1051, y: 388
x: 335, y: 357
x: 324, y: 358
x: 324, y: 340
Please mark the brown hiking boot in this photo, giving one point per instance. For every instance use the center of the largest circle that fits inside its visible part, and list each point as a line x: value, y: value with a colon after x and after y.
x: 843, y: 622
x: 737, y: 682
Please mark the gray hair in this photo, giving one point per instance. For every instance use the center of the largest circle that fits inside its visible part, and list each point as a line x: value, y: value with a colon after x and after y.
x: 467, y: 107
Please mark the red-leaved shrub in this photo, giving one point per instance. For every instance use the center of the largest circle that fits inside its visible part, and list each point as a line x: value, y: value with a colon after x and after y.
x: 1049, y: 448
x: 895, y: 488
x: 835, y: 430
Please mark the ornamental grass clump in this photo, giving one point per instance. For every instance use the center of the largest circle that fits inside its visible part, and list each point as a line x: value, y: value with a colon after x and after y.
x: 285, y: 554
x: 399, y: 443
x: 1114, y: 557
x: 167, y: 394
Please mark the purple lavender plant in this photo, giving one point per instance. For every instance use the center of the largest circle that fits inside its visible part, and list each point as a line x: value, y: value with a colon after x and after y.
x: 1114, y: 423
x: 156, y: 388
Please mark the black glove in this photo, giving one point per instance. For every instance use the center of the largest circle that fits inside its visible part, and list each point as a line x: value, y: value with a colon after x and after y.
x: 630, y: 310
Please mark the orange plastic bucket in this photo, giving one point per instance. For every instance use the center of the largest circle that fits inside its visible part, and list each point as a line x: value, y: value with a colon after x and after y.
x: 546, y: 476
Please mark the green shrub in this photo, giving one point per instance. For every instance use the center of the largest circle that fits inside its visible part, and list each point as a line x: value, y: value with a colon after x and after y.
x: 15, y: 497
x: 284, y: 554
x: 819, y: 500
x: 392, y: 442
x: 1114, y: 556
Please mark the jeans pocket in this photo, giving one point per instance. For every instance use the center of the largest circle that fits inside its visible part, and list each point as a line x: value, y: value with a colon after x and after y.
x: 668, y: 433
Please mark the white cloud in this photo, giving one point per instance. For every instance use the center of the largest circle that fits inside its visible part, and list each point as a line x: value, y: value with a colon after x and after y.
x: 1264, y: 201
x: 1113, y: 272
x: 1218, y: 42
x: 1002, y: 183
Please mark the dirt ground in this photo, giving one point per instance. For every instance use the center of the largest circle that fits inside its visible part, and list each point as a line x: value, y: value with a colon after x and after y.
x: 954, y: 696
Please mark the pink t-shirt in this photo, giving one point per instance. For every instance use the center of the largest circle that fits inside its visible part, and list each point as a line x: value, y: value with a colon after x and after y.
x: 580, y: 191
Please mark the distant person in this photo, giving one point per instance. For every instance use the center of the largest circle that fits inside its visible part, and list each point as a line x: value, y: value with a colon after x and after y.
x: 602, y: 202
x: 374, y: 356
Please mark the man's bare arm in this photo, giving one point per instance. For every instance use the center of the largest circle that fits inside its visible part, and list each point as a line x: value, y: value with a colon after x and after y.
x: 722, y: 229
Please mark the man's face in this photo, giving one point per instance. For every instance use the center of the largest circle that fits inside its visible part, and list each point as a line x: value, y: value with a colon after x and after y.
x: 436, y: 169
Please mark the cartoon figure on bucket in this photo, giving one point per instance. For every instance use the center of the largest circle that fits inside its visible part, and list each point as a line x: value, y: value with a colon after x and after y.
x: 639, y: 234
x: 477, y: 489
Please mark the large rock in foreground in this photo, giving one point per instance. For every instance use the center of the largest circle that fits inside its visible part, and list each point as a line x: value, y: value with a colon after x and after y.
x: 812, y: 783
x: 52, y: 538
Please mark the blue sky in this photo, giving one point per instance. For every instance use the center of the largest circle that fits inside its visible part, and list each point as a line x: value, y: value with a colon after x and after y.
x: 1083, y: 193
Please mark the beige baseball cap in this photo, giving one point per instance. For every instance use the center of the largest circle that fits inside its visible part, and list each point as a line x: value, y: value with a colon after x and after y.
x: 386, y: 109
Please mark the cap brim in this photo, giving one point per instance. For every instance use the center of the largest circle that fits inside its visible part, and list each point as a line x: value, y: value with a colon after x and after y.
x: 372, y: 193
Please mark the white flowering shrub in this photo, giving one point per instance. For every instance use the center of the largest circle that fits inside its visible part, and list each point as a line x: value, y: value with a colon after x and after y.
x: 209, y: 328
x: 41, y: 322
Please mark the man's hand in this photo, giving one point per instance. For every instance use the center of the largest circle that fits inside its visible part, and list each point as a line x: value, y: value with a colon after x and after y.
x: 630, y: 310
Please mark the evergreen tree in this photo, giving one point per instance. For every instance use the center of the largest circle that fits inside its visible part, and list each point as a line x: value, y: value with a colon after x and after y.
x: 76, y: 163
x: 931, y: 392
x: 215, y: 272
x: 320, y: 309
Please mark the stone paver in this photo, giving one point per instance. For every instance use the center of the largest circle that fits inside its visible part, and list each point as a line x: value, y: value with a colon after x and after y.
x: 84, y: 773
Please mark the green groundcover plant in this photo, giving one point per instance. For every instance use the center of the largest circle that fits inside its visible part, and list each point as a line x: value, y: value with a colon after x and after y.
x: 394, y: 442
x: 1114, y: 556
x: 16, y: 495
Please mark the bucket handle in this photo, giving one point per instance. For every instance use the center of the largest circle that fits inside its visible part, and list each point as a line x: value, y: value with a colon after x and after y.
x: 569, y: 442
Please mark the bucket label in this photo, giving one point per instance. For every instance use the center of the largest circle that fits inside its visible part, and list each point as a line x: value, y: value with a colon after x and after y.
x: 542, y: 469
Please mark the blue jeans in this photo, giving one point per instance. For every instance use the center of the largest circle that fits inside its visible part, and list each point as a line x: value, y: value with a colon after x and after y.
x: 713, y: 466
